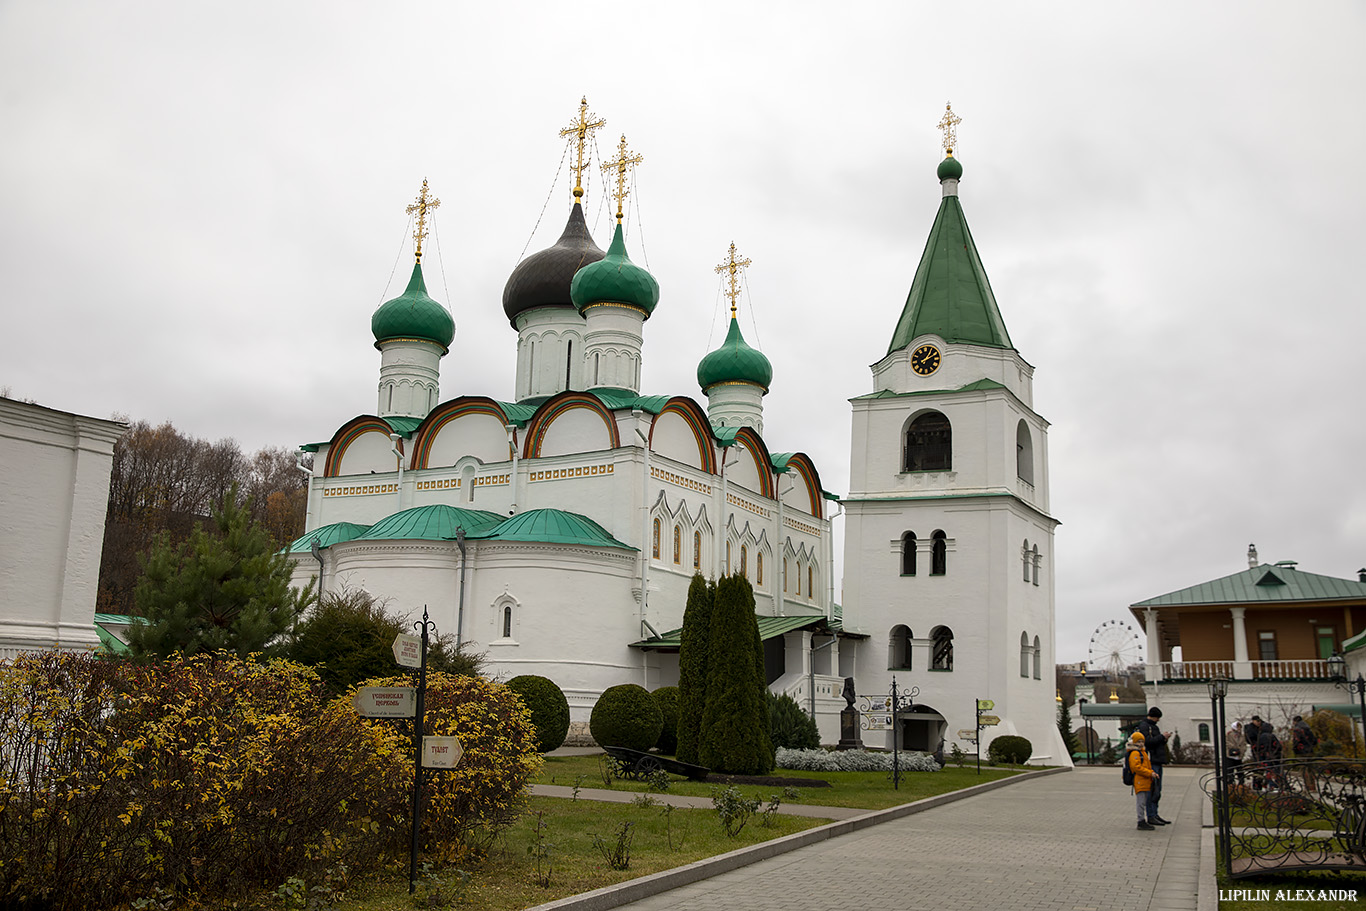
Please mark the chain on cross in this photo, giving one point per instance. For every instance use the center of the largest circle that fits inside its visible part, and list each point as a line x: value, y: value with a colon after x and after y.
x: 581, y: 129
x: 420, y: 208
x: 732, y: 268
x: 949, y: 124
x: 619, y: 164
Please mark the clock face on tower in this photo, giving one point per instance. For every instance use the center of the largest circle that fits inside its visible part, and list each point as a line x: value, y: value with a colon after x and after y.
x: 925, y: 360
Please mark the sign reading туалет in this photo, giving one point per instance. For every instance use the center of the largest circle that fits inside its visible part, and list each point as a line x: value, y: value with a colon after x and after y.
x: 441, y: 752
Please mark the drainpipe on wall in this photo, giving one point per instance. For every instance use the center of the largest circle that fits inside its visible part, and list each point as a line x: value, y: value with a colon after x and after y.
x: 830, y: 558
x: 308, y: 502
x: 645, y: 545
x: 782, y: 552
x: 811, y: 671
x: 318, y: 555
x: 398, y: 455
x: 460, y: 600
x: 722, y: 533
x: 512, y: 447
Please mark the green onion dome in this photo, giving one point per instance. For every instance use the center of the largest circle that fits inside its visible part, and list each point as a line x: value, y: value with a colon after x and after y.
x: 950, y: 169
x: 413, y: 315
x: 542, y: 279
x: 734, y: 362
x: 615, y: 279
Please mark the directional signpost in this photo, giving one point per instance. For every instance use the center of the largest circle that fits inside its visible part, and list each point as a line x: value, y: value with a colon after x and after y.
x: 987, y: 721
x: 410, y: 650
x: 441, y: 752
x: 385, y: 701
x: 983, y: 705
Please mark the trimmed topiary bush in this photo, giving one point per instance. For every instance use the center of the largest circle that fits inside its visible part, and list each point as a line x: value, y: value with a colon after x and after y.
x: 666, y: 697
x: 549, y: 709
x: 1010, y: 749
x: 735, y: 735
x: 789, y: 726
x: 626, y: 716
x: 692, y: 667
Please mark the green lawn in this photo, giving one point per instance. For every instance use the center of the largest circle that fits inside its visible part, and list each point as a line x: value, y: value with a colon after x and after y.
x: 861, y: 790
x: 506, y: 879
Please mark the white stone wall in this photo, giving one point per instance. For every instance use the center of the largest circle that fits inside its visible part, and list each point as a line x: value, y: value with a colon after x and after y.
x: 54, y: 499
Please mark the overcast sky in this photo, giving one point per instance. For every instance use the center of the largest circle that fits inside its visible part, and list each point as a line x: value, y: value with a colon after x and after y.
x: 202, y: 204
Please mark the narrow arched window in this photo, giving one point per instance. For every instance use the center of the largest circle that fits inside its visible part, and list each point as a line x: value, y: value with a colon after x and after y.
x: 899, y: 649
x: 810, y: 588
x: 759, y: 568
x: 568, y: 360
x: 939, y: 554
x: 744, y: 561
x: 1026, y: 558
x: 784, y: 575
x: 1025, y: 654
x: 1036, y: 561
x: 942, y: 656
x: 1203, y: 732
x: 908, y: 554
x: 1038, y: 658
x: 1024, y: 453
x: 596, y: 366
x: 697, y: 550
x: 655, y: 547
x: 727, y: 557
x: 678, y: 544
x: 507, y: 621
x: 929, y: 444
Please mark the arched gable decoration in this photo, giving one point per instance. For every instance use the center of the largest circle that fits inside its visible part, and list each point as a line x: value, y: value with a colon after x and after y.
x: 557, y: 405
x: 696, y: 419
x: 763, y: 462
x: 447, y: 412
x: 351, y: 431
x: 801, y: 463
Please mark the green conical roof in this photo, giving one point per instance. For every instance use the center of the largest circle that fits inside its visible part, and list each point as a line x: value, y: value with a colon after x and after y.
x: 413, y: 315
x: 615, y: 279
x: 950, y: 296
x: 734, y: 362
x: 554, y: 526
x: 432, y: 523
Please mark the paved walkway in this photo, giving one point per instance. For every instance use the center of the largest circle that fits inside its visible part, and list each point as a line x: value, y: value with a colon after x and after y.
x: 1060, y: 843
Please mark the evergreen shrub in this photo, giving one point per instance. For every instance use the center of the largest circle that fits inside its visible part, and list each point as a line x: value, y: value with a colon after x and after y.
x: 692, y: 667
x: 548, y: 707
x: 1010, y: 749
x: 626, y: 716
x: 666, y: 697
x: 734, y: 733
x: 789, y: 726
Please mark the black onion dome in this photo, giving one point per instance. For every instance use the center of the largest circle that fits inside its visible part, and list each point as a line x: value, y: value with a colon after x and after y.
x: 543, y: 278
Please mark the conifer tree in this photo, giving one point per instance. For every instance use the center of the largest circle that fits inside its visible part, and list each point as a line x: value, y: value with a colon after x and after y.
x: 692, y: 667
x: 1069, y: 738
x: 735, y: 736
x: 228, y: 589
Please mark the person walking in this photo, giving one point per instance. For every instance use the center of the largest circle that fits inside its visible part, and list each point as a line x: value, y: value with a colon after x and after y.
x: 1303, y: 741
x: 1155, y: 741
x: 1141, y: 769
x: 1268, y: 753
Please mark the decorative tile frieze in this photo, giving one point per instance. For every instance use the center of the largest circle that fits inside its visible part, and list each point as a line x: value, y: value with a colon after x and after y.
x: 747, y: 505
x: 660, y: 474
x: 578, y: 471
x: 360, y: 490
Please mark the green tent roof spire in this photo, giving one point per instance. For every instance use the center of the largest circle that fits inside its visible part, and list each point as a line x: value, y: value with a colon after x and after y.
x: 950, y: 296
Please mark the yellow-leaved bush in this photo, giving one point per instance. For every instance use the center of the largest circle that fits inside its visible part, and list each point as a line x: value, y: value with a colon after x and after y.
x: 214, y: 776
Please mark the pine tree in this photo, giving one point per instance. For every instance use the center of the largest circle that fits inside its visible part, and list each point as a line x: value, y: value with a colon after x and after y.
x: 229, y: 589
x: 692, y: 667
x: 735, y: 736
x: 1069, y: 738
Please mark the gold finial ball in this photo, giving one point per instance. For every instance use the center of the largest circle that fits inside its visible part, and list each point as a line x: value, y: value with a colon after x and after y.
x: 578, y: 191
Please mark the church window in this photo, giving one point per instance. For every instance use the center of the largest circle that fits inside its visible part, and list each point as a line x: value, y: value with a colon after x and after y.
x: 390, y: 406
x: 810, y: 589
x: 939, y: 554
x: 744, y: 561
x: 1024, y: 453
x: 799, y: 578
x: 1038, y: 657
x: 507, y: 621
x: 727, y: 556
x: 1203, y: 732
x: 929, y: 444
x: 1025, y: 654
x: 942, y: 659
x: 568, y: 362
x: 678, y: 544
x: 1035, y: 560
x: 531, y: 367
x: 1026, y: 558
x: 784, y: 575
x: 908, y: 554
x: 759, y: 569
x: 596, y: 356
x: 899, y: 649
x: 697, y: 550
x: 656, y: 540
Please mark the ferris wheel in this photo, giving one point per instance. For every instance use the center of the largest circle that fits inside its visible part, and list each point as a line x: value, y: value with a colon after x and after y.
x: 1115, y: 647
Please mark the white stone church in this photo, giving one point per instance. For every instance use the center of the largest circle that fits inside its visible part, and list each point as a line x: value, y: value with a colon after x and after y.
x: 557, y: 531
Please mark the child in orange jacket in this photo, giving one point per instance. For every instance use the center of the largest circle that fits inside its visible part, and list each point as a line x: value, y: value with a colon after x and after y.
x: 1136, y: 755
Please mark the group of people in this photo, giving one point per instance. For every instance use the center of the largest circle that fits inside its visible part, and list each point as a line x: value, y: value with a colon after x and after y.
x: 1146, y: 754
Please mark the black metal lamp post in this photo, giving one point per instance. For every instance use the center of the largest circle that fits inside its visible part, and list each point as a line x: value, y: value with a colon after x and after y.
x: 1086, y: 726
x: 1218, y: 689
x: 1337, y: 669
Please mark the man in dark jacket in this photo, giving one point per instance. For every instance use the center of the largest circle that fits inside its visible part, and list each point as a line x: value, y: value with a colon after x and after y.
x: 1156, y: 741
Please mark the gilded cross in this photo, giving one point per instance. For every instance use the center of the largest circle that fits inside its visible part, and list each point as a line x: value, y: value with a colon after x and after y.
x: 732, y: 267
x: 619, y: 164
x: 580, y: 130
x: 949, y: 124
x: 420, y: 208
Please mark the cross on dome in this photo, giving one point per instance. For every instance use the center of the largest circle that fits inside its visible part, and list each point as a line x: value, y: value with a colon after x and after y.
x: 581, y: 129
x: 421, y: 207
x: 733, y: 267
x: 620, y: 164
x: 949, y: 124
